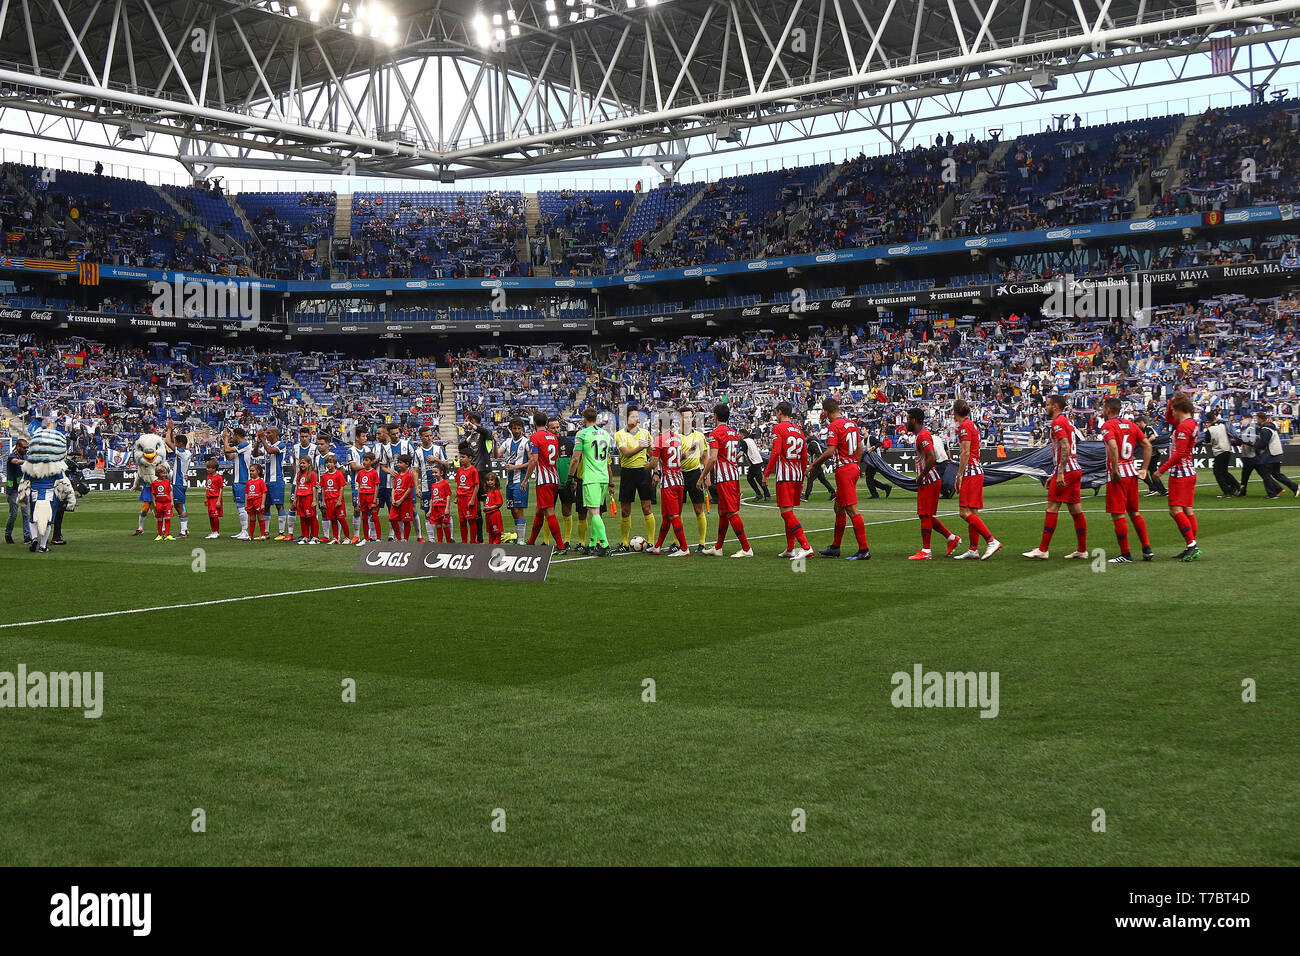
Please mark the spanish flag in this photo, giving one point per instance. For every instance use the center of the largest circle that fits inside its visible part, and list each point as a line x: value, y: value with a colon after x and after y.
x: 90, y: 273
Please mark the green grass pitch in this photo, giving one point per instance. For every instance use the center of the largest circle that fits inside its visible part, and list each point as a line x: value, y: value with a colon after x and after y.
x: 1119, y: 690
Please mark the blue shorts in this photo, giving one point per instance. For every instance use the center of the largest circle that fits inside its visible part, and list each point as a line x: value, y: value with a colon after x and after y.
x: 426, y: 499
x: 517, y: 495
x: 237, y: 491
x: 146, y: 494
x: 275, y: 494
x: 178, y: 495
x: 385, y: 499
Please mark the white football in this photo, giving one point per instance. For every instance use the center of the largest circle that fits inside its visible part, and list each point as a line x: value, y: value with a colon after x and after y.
x: 637, y: 543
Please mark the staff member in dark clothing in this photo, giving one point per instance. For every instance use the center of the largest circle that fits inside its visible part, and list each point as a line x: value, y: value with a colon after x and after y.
x: 1268, y: 457
x: 1220, y: 442
x: 815, y: 449
x: 869, y: 471
x: 479, y: 438
x: 754, y: 461
x: 13, y: 475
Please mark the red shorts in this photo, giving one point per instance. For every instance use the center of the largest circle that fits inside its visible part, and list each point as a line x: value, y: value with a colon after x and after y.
x: 1066, y: 492
x: 305, y: 507
x: 214, y: 508
x: 670, y: 500
x: 788, y: 493
x: 971, y: 492
x: 438, y: 517
x: 254, y: 507
x: 1182, y: 492
x: 334, y: 509
x: 846, y: 485
x: 728, y: 497
x: 546, y: 496
x: 1122, y: 495
x: 163, y: 510
x: 467, y: 507
x: 403, y: 512
x: 927, y: 498
x: 366, y: 504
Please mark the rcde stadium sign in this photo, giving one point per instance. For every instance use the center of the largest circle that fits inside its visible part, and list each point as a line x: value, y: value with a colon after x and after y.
x: 491, y: 562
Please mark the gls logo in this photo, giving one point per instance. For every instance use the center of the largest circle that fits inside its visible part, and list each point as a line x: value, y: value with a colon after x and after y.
x: 389, y: 559
x: 501, y: 562
x: 449, y: 562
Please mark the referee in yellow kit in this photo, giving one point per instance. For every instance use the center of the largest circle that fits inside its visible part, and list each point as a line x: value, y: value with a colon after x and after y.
x: 635, y: 478
x: 694, y: 445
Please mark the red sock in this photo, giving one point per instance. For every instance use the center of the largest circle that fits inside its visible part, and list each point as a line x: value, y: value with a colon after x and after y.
x: 800, y: 536
x: 1185, y: 526
x: 978, y: 529
x: 1140, y: 523
x: 679, y: 531
x: 1196, y: 528
x: 860, y: 532
x: 464, y: 532
x: 215, y: 523
x: 557, y: 533
x: 1049, y: 529
x: 374, y: 518
x: 738, y: 526
x: 722, y: 533
x: 160, y: 525
x: 938, y: 526
x: 925, y: 532
x: 537, y: 528
x: 1081, y: 531
x: 787, y: 518
x: 841, y: 522
x: 347, y: 531
x: 1121, y: 534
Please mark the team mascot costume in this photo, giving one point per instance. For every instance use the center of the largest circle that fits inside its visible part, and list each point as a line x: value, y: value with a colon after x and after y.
x: 45, y: 486
x: 149, y: 452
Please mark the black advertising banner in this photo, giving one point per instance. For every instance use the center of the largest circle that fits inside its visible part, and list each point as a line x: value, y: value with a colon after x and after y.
x: 490, y: 562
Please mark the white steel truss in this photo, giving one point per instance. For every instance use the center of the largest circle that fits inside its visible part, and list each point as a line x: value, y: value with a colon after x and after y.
x: 249, y: 84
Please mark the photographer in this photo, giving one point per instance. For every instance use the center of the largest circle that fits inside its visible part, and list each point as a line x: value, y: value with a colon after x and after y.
x: 1220, y: 442
x: 13, y: 475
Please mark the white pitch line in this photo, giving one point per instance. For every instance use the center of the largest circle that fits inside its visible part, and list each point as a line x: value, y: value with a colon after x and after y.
x: 229, y: 600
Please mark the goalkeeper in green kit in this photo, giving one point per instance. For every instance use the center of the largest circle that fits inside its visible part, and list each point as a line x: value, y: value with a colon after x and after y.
x: 594, y: 465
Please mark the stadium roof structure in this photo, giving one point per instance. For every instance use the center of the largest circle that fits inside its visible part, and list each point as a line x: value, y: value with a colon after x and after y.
x: 470, y: 88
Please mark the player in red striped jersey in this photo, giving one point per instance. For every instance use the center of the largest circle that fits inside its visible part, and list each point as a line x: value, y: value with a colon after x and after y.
x: 789, y: 461
x: 1064, y: 485
x: 929, y: 483
x: 1122, y: 437
x: 723, y: 467
x: 543, y: 455
x: 666, y: 456
x: 970, y: 478
x: 1182, y: 472
x: 844, y: 442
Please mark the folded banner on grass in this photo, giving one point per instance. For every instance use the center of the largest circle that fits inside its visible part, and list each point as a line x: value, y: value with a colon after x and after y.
x: 1037, y: 465
x: 478, y: 561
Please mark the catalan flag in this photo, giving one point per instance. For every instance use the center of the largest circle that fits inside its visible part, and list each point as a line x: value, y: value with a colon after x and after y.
x: 15, y: 235
x: 90, y: 273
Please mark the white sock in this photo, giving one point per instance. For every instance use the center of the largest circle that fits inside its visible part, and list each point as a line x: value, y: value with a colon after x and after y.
x: 284, y: 522
x: 185, y: 524
x: 521, y: 529
x: 243, y: 521
x: 142, y: 517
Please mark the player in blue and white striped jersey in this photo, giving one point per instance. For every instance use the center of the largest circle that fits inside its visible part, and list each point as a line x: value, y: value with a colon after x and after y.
x: 273, y: 474
x: 384, y: 462
x: 242, y: 453
x: 514, y: 456
x: 357, y: 451
x: 178, y: 463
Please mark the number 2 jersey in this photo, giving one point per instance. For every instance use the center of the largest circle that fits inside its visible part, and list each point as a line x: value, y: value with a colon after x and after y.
x: 968, y: 431
x: 789, y: 458
x: 668, y: 449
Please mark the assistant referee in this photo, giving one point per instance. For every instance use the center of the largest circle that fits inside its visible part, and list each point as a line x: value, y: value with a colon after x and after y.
x: 635, y: 478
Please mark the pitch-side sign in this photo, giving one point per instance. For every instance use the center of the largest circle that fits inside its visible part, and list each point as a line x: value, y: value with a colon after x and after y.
x: 479, y: 561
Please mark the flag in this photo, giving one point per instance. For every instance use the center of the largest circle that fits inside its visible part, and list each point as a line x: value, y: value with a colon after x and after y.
x: 1221, y: 54
x: 90, y: 273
